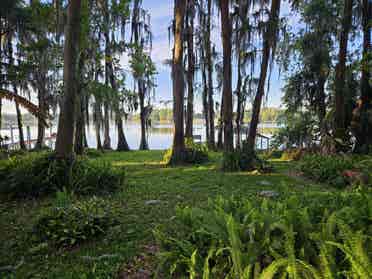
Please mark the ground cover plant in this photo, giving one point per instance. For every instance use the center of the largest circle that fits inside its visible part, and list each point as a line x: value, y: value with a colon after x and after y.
x: 337, y: 170
x: 299, y: 236
x: 148, y: 200
x: 38, y: 174
x: 70, y: 222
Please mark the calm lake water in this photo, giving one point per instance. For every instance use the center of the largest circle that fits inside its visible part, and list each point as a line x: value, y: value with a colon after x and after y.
x: 160, y: 135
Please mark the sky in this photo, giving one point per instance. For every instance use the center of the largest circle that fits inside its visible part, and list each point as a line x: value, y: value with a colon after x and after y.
x: 161, y: 16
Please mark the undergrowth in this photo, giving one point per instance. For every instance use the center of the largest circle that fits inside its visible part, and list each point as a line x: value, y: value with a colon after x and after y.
x: 309, y: 236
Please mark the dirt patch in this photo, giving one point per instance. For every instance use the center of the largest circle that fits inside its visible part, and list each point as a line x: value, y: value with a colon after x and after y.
x: 142, y: 266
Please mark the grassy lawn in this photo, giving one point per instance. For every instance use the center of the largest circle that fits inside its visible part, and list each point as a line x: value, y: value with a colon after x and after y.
x: 148, y: 199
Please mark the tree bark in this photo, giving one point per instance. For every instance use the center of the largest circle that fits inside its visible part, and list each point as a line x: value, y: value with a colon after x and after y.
x: 205, y: 99
x: 210, y: 79
x: 190, y: 70
x: 178, y: 150
x: 363, y: 131
x: 79, y: 125
x: 220, y: 128
x: 227, y: 87
x: 143, y: 143
x: 65, y: 135
x: 269, y: 39
x: 22, y: 143
x: 340, y: 114
x: 238, y: 103
x: 40, y: 124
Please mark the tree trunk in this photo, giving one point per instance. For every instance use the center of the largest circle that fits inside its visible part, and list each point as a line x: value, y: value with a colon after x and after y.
x: 40, y: 124
x: 210, y: 79
x: 106, y: 124
x: 340, y: 114
x: 79, y: 125
x: 227, y: 87
x: 143, y: 144
x: 1, y: 114
x: 220, y: 128
x: 205, y: 100
x: 97, y: 123
x: 363, y: 131
x: 122, y: 141
x: 269, y: 39
x: 65, y: 135
x: 18, y: 110
x: 190, y: 70
x: 22, y: 143
x: 178, y: 150
x: 238, y: 104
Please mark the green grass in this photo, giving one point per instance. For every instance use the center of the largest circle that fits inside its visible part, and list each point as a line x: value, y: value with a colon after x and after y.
x: 146, y: 179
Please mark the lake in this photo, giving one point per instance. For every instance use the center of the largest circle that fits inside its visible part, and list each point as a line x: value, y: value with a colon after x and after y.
x: 160, y: 135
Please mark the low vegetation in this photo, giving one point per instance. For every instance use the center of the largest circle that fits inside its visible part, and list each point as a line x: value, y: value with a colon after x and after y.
x: 40, y: 174
x: 187, y: 221
x: 336, y: 170
x: 69, y: 223
x: 299, y: 236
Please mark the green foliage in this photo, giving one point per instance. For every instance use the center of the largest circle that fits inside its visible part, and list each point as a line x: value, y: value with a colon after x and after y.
x: 294, y: 237
x: 326, y: 168
x: 40, y: 174
x: 244, y: 160
x: 194, y: 153
x: 292, y: 154
x: 70, y: 223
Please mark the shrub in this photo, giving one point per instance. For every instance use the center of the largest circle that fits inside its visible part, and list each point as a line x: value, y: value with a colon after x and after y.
x: 71, y: 223
x: 272, y: 154
x: 243, y: 160
x: 39, y: 174
x: 301, y: 236
x: 293, y: 154
x: 195, y: 153
x: 326, y: 168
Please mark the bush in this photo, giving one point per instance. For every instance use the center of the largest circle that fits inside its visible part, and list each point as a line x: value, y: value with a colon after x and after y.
x: 244, y: 160
x: 326, y: 168
x: 195, y: 153
x: 71, y: 223
x: 294, y: 237
x: 39, y: 174
x: 272, y: 154
x: 293, y: 154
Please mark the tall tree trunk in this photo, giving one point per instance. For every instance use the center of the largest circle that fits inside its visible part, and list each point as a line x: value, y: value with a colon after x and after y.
x: 40, y: 124
x: 178, y: 150
x: 106, y: 126
x: 143, y: 115
x: 65, y: 135
x: 18, y: 110
x: 122, y: 141
x: 22, y: 143
x: 238, y: 103
x: 220, y: 128
x: 363, y: 131
x: 205, y: 99
x: 108, y: 65
x: 340, y: 114
x: 1, y: 114
x: 97, y: 123
x: 321, y: 100
x: 79, y: 125
x: 211, y: 141
x: 269, y: 39
x: 227, y: 87
x: 190, y: 70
